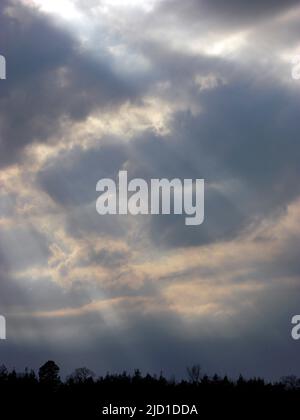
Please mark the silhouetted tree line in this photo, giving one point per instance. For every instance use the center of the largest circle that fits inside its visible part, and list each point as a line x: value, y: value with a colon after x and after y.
x: 82, y: 394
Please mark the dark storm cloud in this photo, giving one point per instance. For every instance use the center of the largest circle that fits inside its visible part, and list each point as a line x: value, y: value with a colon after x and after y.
x: 245, y: 139
x: 255, y: 346
x: 244, y: 134
x: 26, y: 295
x: 71, y: 182
x: 71, y: 179
x: 224, y: 14
x: 50, y: 77
x: 223, y: 221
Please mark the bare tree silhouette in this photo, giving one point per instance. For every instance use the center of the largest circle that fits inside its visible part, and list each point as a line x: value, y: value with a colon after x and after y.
x: 81, y: 375
x: 194, y: 374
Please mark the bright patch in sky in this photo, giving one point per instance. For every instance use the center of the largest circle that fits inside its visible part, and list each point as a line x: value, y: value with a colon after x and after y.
x: 63, y: 8
x: 144, y: 4
x: 67, y: 9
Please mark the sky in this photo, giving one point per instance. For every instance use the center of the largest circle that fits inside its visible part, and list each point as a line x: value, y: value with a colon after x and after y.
x: 162, y: 89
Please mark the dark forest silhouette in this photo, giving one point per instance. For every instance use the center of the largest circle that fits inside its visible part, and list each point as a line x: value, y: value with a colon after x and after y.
x: 82, y: 394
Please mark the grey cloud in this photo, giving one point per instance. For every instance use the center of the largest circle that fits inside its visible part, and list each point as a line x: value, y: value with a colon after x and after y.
x: 22, y: 247
x: 243, y: 139
x: 83, y: 221
x: 107, y: 258
x: 223, y: 14
x: 71, y: 179
x: 49, y: 77
x: 26, y: 295
x: 254, y: 346
x: 71, y: 182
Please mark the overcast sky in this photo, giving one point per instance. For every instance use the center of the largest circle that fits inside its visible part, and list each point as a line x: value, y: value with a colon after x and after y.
x: 160, y: 88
